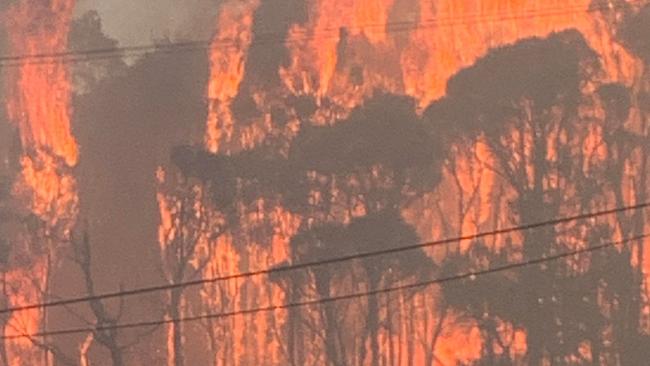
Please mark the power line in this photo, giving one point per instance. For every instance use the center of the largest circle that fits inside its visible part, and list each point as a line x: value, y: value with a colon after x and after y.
x: 467, y: 275
x: 272, y: 38
x: 293, y: 267
x: 278, y: 37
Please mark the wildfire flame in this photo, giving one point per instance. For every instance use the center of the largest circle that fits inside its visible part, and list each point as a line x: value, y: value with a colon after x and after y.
x: 347, y: 49
x: 38, y: 102
x: 342, y: 54
x: 228, y: 64
x: 465, y: 31
x: 39, y: 92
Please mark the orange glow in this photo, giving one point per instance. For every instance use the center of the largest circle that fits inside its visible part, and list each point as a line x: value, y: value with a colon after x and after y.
x: 341, y: 54
x: 38, y: 102
x: 374, y: 12
x: 466, y: 30
x: 475, y: 174
x: 340, y: 39
x: 39, y: 93
x: 83, y: 350
x: 239, y: 334
x: 26, y: 286
x: 459, y: 345
x: 50, y: 193
x: 227, y: 66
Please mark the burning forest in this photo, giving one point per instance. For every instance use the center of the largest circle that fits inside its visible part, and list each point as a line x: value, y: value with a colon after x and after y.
x: 326, y: 182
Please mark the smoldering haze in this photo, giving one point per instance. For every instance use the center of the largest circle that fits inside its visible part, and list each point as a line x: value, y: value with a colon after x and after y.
x: 141, y: 22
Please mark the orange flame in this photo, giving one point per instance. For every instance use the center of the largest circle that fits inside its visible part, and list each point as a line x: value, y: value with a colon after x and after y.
x: 343, y: 52
x: 227, y: 66
x: 453, y: 34
x: 25, y: 291
x: 39, y: 91
x: 38, y: 102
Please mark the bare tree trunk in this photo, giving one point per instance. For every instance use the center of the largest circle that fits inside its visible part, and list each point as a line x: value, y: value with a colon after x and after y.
x: 389, y: 330
x: 410, y: 340
x: 362, y: 352
x: 633, y: 309
x: 106, y: 337
x: 4, y: 318
x: 45, y: 291
x: 329, y: 319
x: 3, y: 347
x: 291, y: 330
x: 116, y: 356
x: 400, y: 333
x: 430, y: 352
x: 596, y: 350
x: 177, y: 335
x: 330, y: 337
x: 295, y: 336
x: 372, y: 320
x: 83, y: 350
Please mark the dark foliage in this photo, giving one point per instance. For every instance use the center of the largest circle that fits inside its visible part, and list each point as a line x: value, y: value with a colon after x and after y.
x: 319, y: 243
x: 271, y: 23
x: 616, y: 100
x: 5, y: 187
x: 535, y: 85
x: 634, y: 33
x: 267, y: 54
x: 544, y: 72
x: 86, y: 33
x: 5, y: 253
x: 375, y: 232
x: 384, y: 131
x: 387, y: 230
x: 304, y: 105
x: 244, y: 109
x: 279, y: 115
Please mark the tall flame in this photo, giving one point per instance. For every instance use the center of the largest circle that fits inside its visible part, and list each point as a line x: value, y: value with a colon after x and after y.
x: 453, y: 34
x: 227, y: 66
x: 39, y: 91
x: 343, y: 52
x: 316, y: 46
x: 38, y: 102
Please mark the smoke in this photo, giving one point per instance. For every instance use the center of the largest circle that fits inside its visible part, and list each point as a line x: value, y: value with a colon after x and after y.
x: 140, y: 22
x: 5, y: 128
x: 126, y: 119
x: 127, y: 124
x: 9, y: 138
x: 272, y: 18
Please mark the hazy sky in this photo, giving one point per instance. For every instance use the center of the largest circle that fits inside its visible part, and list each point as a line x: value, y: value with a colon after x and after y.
x: 134, y: 22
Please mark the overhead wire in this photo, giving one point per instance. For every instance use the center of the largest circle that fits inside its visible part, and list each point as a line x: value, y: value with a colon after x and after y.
x: 323, y: 262
x: 121, y: 52
x: 472, y: 275
x: 74, y: 56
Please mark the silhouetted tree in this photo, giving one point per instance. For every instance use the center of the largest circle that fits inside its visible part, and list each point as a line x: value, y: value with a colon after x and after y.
x: 632, y: 30
x: 191, y: 226
x: 376, y: 232
x: 86, y: 33
x: 107, y: 337
x: 373, y: 162
x: 370, y: 164
x: 629, y: 144
x: 128, y: 119
x: 523, y: 101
